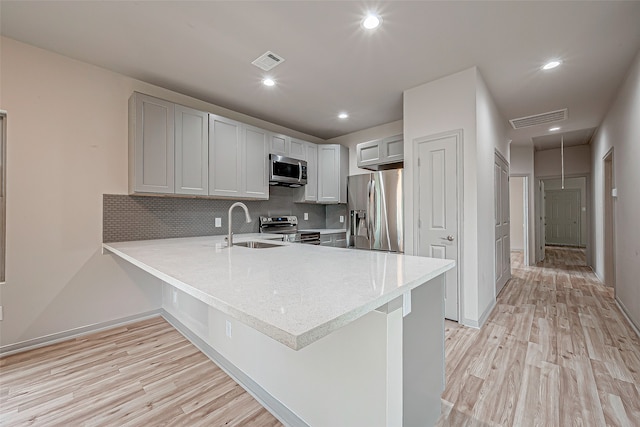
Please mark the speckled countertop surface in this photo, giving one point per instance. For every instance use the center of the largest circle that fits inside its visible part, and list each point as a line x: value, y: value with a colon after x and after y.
x: 296, y: 294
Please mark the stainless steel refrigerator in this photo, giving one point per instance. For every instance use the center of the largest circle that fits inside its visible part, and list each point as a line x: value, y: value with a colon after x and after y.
x: 375, y: 211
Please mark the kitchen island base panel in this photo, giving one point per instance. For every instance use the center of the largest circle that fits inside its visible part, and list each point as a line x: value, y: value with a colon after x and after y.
x: 355, y: 376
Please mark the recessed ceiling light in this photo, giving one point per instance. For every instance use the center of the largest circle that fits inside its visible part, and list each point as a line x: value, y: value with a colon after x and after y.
x: 554, y: 129
x: 343, y: 116
x: 268, y: 82
x: 551, y: 64
x: 371, y: 21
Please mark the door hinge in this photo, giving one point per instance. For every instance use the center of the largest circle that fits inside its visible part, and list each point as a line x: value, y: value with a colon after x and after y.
x: 419, y: 223
x: 418, y: 161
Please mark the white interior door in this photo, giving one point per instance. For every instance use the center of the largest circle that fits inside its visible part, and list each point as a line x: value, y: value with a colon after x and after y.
x: 562, y: 217
x: 502, y: 223
x: 437, y: 209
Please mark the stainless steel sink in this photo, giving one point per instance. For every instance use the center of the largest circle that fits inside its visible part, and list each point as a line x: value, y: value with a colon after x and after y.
x: 256, y: 245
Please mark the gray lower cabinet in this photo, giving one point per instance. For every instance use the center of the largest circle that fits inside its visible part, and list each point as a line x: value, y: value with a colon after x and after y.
x: 237, y: 159
x: 334, y: 240
x: 192, y: 151
x: 151, y: 145
x: 333, y: 168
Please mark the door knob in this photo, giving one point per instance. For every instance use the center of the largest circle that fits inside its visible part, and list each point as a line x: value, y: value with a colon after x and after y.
x: 449, y: 238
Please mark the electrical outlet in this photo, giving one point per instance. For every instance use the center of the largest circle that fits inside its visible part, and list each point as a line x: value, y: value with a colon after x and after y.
x: 1, y: 313
x: 174, y: 296
x: 306, y: 216
x: 228, y: 328
x: 218, y: 222
x: 341, y: 218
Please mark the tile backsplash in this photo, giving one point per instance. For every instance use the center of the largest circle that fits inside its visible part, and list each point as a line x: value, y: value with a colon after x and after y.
x: 128, y: 218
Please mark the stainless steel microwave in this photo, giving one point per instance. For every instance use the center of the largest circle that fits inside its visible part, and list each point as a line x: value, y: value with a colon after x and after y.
x: 286, y: 171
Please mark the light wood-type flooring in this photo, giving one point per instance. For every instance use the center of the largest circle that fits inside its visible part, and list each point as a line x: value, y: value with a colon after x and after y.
x: 144, y: 374
x: 556, y: 351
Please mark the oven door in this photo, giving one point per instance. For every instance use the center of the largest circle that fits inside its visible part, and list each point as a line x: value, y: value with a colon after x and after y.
x: 287, y: 171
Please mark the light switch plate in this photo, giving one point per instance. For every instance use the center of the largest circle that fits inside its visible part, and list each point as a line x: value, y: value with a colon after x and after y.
x: 218, y: 222
x: 306, y: 216
x: 341, y: 218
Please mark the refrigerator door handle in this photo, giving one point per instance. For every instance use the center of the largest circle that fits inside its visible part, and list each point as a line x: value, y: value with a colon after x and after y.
x: 371, y: 217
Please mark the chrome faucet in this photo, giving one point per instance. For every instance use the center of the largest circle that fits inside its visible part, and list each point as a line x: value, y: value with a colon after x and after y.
x: 246, y: 212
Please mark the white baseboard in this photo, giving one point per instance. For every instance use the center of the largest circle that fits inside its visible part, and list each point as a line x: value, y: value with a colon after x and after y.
x: 625, y: 312
x: 31, y: 344
x: 273, y: 405
x: 477, y: 324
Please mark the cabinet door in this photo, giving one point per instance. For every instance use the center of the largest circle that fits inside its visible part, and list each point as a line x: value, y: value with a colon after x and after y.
x: 340, y: 240
x: 325, y: 240
x: 393, y: 149
x: 311, y: 189
x: 328, y: 174
x: 225, y: 157
x: 192, y: 151
x: 297, y: 149
x: 151, y: 142
x: 368, y: 153
x: 279, y: 144
x: 333, y: 168
x: 255, y: 164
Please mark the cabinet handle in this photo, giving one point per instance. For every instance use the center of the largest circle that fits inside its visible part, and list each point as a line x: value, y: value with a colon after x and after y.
x: 299, y: 171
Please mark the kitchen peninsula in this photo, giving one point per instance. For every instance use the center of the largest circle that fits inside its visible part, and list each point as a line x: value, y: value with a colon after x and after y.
x: 326, y: 336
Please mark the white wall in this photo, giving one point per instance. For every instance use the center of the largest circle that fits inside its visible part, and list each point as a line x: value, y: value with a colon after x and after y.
x: 491, y: 137
x: 577, y: 161
x: 516, y: 203
x: 66, y: 147
x: 447, y: 104
x: 350, y: 140
x: 521, y: 162
x: 620, y: 130
x: 461, y: 101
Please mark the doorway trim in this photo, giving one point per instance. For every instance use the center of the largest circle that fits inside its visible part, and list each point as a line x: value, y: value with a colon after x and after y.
x: 608, y: 220
x: 540, y: 232
x: 458, y: 135
x: 498, y: 157
x: 526, y: 217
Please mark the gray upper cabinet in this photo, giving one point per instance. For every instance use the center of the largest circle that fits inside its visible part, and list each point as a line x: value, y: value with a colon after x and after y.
x: 151, y: 145
x: 237, y: 160
x: 192, y: 151
x: 381, y: 154
x: 309, y: 192
x: 279, y: 144
x: 297, y: 149
x: 225, y: 157
x: 333, y: 168
x: 287, y: 146
x: 255, y: 165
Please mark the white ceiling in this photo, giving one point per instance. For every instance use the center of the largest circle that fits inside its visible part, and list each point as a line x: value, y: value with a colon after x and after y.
x: 205, y: 49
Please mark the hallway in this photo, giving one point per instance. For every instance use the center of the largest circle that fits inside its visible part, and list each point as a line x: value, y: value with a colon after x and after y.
x: 556, y: 351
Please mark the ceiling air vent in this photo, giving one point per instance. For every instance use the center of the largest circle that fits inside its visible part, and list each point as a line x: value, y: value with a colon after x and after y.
x: 538, y: 119
x: 268, y: 60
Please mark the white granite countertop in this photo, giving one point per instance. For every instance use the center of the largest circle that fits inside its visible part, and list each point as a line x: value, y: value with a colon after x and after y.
x: 296, y: 294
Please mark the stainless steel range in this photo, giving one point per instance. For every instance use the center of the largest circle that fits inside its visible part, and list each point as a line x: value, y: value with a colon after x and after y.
x: 287, y: 226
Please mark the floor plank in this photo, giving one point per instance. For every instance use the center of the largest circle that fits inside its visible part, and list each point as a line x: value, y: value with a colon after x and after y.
x: 143, y: 374
x: 556, y: 351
